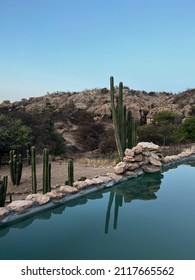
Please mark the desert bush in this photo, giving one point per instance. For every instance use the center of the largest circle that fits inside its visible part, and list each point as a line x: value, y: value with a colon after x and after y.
x: 107, y: 143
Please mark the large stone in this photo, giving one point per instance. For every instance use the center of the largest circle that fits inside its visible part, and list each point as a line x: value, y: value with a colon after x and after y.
x: 105, y: 179
x: 55, y: 195
x: 137, y: 149
x: 130, y: 174
x: 20, y: 205
x: 128, y: 159
x: 115, y: 177
x: 129, y: 152
x: 149, y: 146
x: 94, y: 181
x: 133, y: 166
x: 120, y: 167
x: 149, y: 168
x: 146, y: 153
x: 3, y: 212
x: 154, y: 155
x: 138, y: 157
x: 68, y: 189
x: 155, y: 161
x: 80, y: 185
x: 40, y: 199
x: 145, y: 160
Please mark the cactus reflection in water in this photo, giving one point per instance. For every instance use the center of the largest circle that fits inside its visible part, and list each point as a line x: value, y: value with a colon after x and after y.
x: 143, y: 188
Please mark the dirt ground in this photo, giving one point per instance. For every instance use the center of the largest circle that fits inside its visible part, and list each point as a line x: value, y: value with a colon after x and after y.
x: 59, y: 174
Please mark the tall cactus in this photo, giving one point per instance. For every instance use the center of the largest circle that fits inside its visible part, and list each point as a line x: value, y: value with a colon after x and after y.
x: 46, y: 172
x: 115, y: 120
x: 70, y: 172
x: 3, y: 190
x: 15, y: 167
x: 124, y: 124
x: 33, y: 169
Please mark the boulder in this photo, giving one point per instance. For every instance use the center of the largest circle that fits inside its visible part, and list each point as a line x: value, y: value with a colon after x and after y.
x: 138, y: 157
x: 129, y: 152
x: 128, y: 159
x: 20, y: 205
x: 155, y: 161
x: 145, y: 160
x: 80, y: 185
x: 130, y: 174
x: 137, y: 149
x: 68, y: 189
x: 115, y: 177
x: 149, y: 146
x: 93, y: 181
x: 133, y: 166
x: 168, y: 159
x: 149, y: 168
x: 105, y: 179
x: 40, y: 199
x: 120, y: 167
x: 55, y: 195
x: 3, y: 212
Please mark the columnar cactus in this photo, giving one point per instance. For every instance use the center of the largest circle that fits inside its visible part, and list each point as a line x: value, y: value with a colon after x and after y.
x: 124, y: 124
x: 33, y: 169
x: 70, y: 172
x: 3, y: 190
x: 115, y: 120
x: 46, y: 171
x: 15, y: 167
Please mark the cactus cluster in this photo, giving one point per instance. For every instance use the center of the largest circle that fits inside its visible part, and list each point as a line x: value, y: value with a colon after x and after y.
x: 3, y: 190
x: 15, y: 167
x: 124, y: 124
x: 46, y: 170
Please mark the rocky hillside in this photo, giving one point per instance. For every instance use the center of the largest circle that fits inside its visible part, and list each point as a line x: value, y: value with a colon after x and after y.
x: 97, y: 102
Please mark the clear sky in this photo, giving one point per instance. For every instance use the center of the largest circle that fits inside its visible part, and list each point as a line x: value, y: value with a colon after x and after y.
x: 72, y: 45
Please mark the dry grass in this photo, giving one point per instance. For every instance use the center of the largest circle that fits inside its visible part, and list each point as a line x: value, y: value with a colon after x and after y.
x: 96, y: 162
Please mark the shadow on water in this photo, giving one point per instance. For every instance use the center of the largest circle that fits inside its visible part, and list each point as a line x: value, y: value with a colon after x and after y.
x: 142, y: 188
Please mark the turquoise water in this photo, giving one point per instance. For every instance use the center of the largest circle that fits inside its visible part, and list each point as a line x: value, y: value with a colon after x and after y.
x: 151, y: 217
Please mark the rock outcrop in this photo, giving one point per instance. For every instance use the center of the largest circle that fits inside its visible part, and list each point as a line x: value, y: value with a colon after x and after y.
x: 145, y: 156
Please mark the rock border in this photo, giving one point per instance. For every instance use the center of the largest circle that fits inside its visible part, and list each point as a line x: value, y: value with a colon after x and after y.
x: 140, y: 157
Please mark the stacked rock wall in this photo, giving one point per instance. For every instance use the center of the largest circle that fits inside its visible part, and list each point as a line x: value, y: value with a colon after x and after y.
x: 146, y: 157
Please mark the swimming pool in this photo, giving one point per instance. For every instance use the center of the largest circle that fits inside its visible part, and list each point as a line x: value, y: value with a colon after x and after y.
x: 150, y: 217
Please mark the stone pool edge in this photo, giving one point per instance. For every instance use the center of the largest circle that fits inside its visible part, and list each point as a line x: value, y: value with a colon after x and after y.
x: 97, y: 183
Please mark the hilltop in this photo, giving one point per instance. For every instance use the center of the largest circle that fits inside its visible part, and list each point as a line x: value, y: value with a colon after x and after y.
x: 75, y: 110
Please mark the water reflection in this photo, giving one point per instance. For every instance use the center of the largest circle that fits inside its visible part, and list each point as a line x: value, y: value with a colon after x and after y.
x: 143, y: 188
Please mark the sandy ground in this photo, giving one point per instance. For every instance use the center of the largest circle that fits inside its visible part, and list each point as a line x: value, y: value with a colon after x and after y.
x: 59, y: 175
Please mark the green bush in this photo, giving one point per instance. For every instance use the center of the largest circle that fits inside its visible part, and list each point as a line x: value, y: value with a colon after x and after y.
x: 186, y: 132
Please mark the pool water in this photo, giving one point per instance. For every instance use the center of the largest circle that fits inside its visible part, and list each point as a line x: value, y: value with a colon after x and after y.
x: 150, y: 217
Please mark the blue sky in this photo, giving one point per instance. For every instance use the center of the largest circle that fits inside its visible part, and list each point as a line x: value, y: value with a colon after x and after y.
x: 72, y: 45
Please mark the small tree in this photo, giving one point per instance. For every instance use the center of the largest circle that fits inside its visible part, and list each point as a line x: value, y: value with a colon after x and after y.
x: 13, y: 134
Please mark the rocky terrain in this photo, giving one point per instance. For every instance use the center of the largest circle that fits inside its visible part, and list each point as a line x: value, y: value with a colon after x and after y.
x: 143, y: 106
x: 97, y: 101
